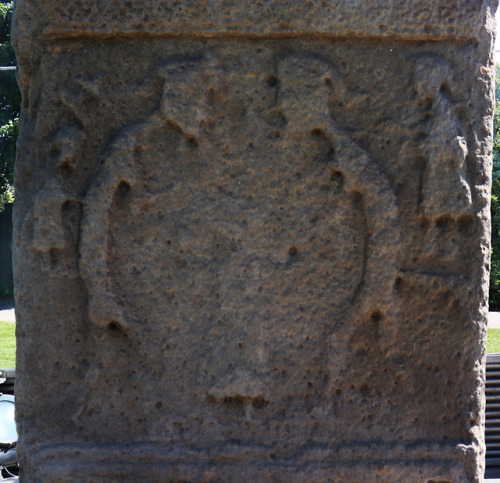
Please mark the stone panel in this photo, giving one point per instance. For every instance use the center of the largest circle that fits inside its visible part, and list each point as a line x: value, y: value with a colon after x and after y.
x: 242, y: 256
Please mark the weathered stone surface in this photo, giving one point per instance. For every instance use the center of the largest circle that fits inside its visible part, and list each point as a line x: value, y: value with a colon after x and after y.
x: 252, y: 248
x: 402, y: 18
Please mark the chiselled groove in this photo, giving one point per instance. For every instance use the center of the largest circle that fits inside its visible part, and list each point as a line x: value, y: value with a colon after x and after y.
x: 457, y: 277
x: 88, y: 35
x: 357, y: 201
x: 373, y: 451
x: 121, y: 200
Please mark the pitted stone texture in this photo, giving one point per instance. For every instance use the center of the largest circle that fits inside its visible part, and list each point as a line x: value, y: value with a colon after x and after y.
x: 402, y: 18
x: 244, y: 258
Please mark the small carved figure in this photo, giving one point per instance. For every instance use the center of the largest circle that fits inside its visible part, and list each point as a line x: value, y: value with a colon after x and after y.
x: 445, y: 187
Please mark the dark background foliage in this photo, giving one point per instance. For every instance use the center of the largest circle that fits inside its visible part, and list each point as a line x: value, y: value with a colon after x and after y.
x: 10, y: 102
x: 495, y: 203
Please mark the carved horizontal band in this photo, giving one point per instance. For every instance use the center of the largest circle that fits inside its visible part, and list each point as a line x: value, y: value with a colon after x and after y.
x: 154, y: 452
x: 390, y: 460
x: 405, y: 19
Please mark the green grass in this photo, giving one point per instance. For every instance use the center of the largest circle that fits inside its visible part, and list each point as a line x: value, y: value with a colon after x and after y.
x: 493, y: 344
x: 7, y: 345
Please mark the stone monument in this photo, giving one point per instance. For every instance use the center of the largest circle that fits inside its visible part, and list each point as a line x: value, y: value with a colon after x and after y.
x: 251, y: 239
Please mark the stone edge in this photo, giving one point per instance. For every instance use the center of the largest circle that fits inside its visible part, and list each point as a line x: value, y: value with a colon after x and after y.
x: 432, y: 20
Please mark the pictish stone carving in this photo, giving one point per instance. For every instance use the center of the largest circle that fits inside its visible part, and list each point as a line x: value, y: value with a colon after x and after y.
x: 252, y: 250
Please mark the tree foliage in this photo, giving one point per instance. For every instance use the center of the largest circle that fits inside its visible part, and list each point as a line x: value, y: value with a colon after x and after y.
x: 10, y: 102
x: 495, y: 203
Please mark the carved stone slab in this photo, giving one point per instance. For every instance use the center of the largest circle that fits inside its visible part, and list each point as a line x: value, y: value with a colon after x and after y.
x: 249, y: 248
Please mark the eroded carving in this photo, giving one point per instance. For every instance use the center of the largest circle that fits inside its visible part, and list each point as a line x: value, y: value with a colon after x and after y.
x: 445, y: 190
x: 242, y: 298
x: 184, y: 217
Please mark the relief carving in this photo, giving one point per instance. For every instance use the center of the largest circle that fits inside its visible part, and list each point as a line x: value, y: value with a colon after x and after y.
x: 251, y: 239
x: 437, y: 147
x: 445, y: 188
x: 184, y: 216
x: 57, y: 209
